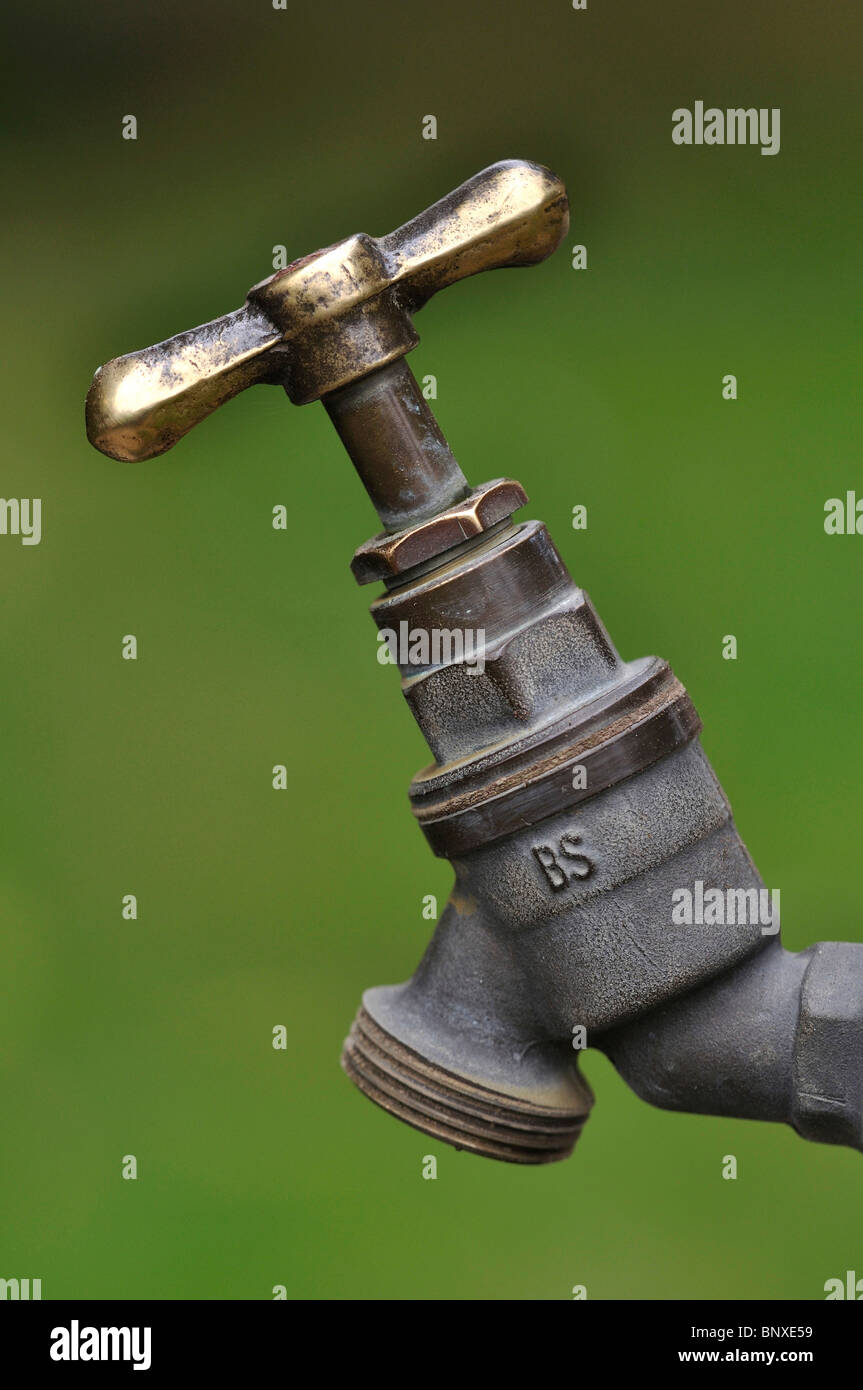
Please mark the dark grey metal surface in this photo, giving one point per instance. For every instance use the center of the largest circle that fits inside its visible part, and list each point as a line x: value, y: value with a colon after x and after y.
x: 562, y: 915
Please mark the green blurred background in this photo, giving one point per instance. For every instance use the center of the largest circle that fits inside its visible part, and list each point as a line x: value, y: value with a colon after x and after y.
x: 259, y: 127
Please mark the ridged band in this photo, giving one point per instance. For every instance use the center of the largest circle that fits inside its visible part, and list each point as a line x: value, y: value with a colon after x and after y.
x: 621, y: 733
x: 450, y: 1107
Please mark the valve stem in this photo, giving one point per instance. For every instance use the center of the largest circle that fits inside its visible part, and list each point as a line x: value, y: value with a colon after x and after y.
x: 397, y: 446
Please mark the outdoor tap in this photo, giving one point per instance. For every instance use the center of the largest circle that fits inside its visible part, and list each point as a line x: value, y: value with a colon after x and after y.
x: 602, y: 894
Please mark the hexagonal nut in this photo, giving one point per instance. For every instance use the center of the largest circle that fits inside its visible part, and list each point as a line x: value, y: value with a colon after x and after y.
x: 545, y: 667
x: 828, y: 1051
x: 386, y: 555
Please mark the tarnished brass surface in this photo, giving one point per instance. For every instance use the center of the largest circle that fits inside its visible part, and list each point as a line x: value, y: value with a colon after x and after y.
x: 329, y: 318
x: 140, y: 405
x: 389, y: 555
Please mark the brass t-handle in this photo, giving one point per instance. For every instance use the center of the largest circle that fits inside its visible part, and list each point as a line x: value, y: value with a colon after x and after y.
x: 329, y: 318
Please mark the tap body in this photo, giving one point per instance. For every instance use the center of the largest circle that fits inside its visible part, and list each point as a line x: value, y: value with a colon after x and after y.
x: 603, y: 896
